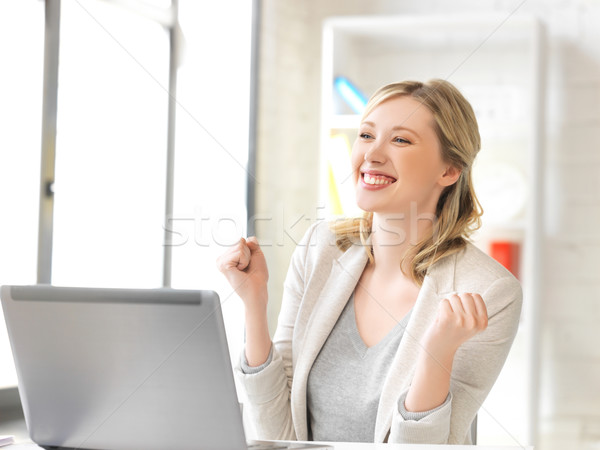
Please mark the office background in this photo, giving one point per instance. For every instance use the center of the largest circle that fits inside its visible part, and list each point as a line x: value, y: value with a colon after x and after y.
x: 102, y: 234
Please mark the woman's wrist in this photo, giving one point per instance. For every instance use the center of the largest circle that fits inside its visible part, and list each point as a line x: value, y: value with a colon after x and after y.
x: 440, y: 361
x: 431, y: 382
x: 256, y: 319
x: 256, y: 303
x: 438, y: 346
x: 258, y: 340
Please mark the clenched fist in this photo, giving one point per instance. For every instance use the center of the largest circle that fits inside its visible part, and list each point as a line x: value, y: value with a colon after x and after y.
x: 459, y: 318
x: 245, y: 268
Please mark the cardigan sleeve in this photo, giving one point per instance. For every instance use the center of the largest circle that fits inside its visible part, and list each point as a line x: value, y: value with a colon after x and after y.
x: 476, y: 367
x: 268, y: 390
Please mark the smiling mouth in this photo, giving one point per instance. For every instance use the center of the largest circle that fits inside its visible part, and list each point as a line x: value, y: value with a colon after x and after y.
x: 374, y: 180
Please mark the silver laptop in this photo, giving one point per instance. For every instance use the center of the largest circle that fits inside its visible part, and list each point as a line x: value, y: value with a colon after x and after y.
x: 124, y: 368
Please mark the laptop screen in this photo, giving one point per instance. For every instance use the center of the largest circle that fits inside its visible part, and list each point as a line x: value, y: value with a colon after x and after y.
x: 123, y: 368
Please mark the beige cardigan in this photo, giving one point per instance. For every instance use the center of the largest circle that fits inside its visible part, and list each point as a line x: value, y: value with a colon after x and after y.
x: 319, y: 282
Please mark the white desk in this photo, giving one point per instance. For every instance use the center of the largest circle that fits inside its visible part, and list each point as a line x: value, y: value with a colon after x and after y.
x: 357, y: 446
x: 362, y: 446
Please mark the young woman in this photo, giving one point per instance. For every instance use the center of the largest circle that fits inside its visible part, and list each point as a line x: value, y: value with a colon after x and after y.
x: 393, y: 327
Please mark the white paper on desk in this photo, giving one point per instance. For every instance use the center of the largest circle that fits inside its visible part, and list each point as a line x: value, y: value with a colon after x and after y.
x: 6, y: 440
x: 24, y: 446
x: 287, y: 445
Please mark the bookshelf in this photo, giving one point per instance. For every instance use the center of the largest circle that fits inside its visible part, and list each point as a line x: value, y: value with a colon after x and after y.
x: 496, y: 63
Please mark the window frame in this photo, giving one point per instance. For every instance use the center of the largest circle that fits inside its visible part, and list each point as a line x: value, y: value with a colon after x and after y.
x: 9, y: 397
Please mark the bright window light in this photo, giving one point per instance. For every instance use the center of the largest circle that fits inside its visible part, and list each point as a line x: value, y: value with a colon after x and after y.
x: 22, y: 35
x: 111, y: 147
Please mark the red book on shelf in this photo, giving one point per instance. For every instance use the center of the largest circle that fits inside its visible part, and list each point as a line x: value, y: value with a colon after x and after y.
x: 506, y: 253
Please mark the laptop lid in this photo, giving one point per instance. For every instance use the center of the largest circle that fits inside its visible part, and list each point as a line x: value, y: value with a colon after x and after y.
x: 123, y: 368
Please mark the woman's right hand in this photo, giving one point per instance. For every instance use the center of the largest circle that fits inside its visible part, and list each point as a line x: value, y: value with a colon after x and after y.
x: 245, y: 267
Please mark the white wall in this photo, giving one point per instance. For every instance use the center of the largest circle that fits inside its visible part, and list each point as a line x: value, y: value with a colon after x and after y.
x: 288, y: 172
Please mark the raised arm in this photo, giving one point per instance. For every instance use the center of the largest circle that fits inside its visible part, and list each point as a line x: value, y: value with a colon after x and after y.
x: 459, y: 318
x: 470, y: 370
x: 245, y: 268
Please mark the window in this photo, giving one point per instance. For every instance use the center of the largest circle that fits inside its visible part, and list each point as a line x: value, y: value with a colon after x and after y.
x: 109, y: 193
x: 22, y: 24
x: 109, y: 200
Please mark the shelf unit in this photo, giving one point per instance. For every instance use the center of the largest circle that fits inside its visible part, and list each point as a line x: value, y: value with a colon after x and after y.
x: 496, y: 63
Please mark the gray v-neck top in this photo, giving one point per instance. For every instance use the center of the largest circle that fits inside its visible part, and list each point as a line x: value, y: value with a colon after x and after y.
x: 346, y: 380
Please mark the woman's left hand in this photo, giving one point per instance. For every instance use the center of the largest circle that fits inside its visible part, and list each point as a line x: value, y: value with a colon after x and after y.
x: 459, y: 318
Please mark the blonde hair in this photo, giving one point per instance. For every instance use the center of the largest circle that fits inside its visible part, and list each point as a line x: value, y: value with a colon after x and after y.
x: 458, y: 212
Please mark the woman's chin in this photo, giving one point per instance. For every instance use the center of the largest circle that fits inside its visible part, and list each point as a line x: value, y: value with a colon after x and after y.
x: 367, y: 207
x: 370, y: 205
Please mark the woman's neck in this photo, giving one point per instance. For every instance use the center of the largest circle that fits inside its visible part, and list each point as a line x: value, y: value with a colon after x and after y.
x: 394, y: 235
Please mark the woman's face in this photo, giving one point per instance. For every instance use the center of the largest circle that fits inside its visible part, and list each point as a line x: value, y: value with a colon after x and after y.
x: 397, y: 159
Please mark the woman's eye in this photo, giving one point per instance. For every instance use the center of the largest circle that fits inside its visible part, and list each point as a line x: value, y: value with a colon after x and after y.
x: 365, y: 135
x: 399, y: 140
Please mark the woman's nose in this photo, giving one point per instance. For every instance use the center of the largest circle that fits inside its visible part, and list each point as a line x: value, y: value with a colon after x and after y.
x: 375, y: 154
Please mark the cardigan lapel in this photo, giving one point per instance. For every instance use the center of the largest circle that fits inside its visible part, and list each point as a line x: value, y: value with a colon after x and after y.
x: 343, y: 278
x: 438, y: 282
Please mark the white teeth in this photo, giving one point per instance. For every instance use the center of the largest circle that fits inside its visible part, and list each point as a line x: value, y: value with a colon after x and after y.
x: 375, y: 180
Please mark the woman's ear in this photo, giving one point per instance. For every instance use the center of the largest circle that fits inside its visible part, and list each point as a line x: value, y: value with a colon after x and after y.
x: 450, y: 176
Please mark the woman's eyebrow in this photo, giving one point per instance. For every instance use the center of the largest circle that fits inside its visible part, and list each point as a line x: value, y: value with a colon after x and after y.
x: 395, y: 128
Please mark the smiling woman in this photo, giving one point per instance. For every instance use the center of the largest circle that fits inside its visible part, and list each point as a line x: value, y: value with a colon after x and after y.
x: 417, y: 172
x: 426, y: 135
x: 393, y: 327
